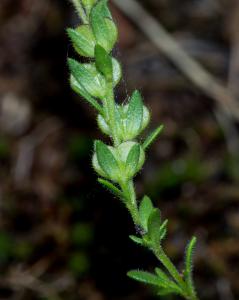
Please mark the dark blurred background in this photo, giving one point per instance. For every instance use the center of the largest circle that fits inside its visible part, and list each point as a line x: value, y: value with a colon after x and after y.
x: 61, y: 235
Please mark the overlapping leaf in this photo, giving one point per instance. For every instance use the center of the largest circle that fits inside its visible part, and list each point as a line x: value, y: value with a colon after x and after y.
x: 83, y: 40
x: 104, y: 28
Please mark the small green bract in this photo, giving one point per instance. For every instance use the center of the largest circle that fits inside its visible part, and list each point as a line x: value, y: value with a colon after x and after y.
x: 118, y: 163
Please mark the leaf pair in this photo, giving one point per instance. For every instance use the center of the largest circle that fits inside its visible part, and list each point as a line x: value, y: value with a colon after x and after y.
x: 101, y: 30
x: 150, y: 218
x: 160, y: 279
x: 118, y: 164
x: 131, y: 119
x: 150, y: 221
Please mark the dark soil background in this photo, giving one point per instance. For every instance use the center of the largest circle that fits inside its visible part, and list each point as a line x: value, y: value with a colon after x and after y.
x: 61, y: 235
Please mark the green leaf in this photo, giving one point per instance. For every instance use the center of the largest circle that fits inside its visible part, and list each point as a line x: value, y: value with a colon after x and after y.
x: 189, y: 265
x: 152, y: 137
x: 104, y: 62
x: 136, y: 239
x: 134, y: 114
x: 102, y: 9
x: 145, y: 209
x: 83, y: 40
x: 144, y: 277
x: 106, y: 160
x: 104, y: 29
x: 154, y: 224
x: 133, y: 160
x: 75, y: 85
x: 109, y: 186
x: 87, y: 76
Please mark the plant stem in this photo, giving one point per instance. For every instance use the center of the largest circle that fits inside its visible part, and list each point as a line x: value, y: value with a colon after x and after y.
x: 166, y: 262
x: 130, y: 200
x: 81, y: 11
x: 160, y: 254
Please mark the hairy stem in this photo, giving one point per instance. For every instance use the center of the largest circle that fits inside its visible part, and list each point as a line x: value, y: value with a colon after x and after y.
x: 167, y: 263
x: 130, y: 200
x: 164, y: 259
x: 80, y: 10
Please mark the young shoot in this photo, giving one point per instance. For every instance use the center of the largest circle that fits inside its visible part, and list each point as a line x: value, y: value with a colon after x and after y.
x: 118, y: 163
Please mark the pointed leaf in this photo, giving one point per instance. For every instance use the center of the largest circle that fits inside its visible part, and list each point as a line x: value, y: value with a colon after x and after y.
x: 136, y: 239
x: 154, y: 224
x: 163, y: 230
x: 103, y: 10
x: 104, y: 29
x: 106, y: 160
x: 145, y: 209
x: 152, y: 137
x: 134, y: 114
x: 144, y: 277
x: 109, y: 186
x: 104, y: 62
x: 82, y: 92
x: 189, y: 265
x: 133, y: 160
x: 83, y: 40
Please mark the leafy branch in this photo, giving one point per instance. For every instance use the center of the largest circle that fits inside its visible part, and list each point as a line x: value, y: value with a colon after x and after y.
x: 118, y: 164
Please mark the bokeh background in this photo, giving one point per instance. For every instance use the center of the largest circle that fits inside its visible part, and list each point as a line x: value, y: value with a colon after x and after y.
x: 61, y: 235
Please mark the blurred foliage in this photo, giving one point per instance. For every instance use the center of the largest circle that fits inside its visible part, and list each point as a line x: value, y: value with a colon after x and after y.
x: 79, y: 148
x: 79, y: 263
x: 4, y: 148
x: 5, y: 247
x: 82, y: 234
